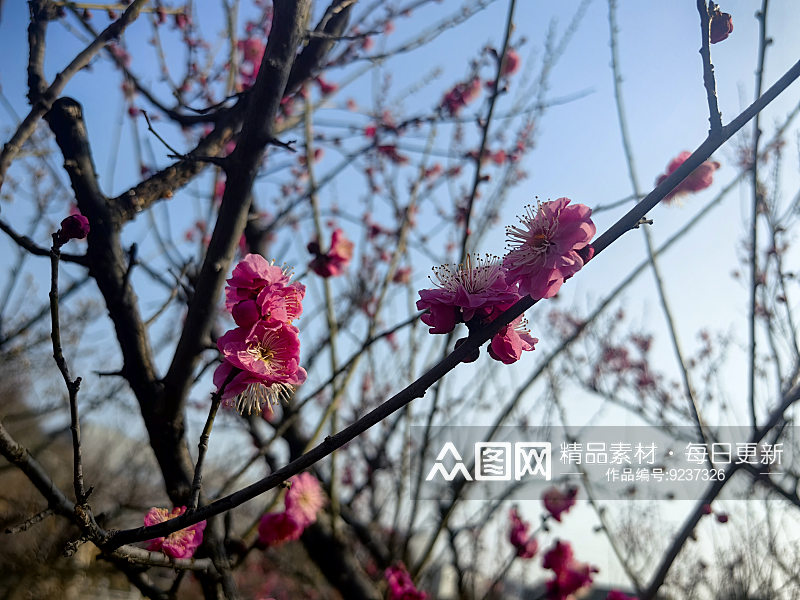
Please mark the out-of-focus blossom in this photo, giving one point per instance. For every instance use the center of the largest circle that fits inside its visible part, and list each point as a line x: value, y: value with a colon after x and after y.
x: 511, y: 62
x: 525, y: 545
x: 617, y: 595
x: 332, y: 262
x: 699, y: 179
x: 569, y: 574
x: 400, y: 584
x: 276, y: 528
x: 179, y: 544
x: 461, y: 95
x: 557, y: 502
x: 544, y: 251
x: 304, y: 499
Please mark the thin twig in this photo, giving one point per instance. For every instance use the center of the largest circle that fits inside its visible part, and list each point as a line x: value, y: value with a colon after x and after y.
x: 72, y: 385
x: 757, y: 203
x: 714, y: 116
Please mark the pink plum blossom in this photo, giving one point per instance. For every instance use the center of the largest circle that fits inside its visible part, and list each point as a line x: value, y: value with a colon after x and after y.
x: 525, y: 545
x: 617, y: 595
x: 557, y: 502
x: 699, y: 179
x: 543, y: 251
x: 400, y: 584
x: 268, y: 360
x: 276, y: 528
x: 508, y: 344
x: 179, y: 544
x: 259, y: 290
x: 475, y: 289
x: 332, y: 262
x: 304, y: 499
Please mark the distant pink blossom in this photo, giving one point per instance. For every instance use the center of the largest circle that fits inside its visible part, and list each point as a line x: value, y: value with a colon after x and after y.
x: 617, y: 595
x: 508, y: 344
x: 699, y: 179
x: 525, y: 545
x: 544, y: 250
x: 179, y: 544
x: 276, y: 528
x: 475, y: 289
x: 74, y: 227
x: 268, y: 359
x: 511, y: 62
x: 334, y: 261
x: 400, y: 584
x: 326, y: 88
x: 459, y: 96
x: 557, y: 502
x: 569, y: 574
x: 304, y: 499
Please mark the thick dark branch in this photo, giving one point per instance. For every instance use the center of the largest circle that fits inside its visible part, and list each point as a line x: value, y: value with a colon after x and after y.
x: 262, y: 105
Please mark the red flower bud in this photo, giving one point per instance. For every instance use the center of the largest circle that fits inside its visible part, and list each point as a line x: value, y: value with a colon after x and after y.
x: 74, y: 227
x: 721, y: 26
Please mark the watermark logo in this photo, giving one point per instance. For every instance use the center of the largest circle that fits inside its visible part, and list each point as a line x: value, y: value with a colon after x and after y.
x: 495, y: 461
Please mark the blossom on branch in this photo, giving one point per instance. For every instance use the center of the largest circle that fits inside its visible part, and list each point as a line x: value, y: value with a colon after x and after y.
x: 476, y: 289
x: 268, y: 359
x: 544, y: 251
x: 179, y: 544
x: 511, y: 341
x: 259, y: 290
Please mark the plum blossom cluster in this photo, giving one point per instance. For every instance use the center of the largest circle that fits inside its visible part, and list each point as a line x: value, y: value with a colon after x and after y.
x: 301, y: 505
x: 179, y: 544
x: 550, y: 245
x: 260, y: 357
x: 699, y: 179
x: 400, y: 585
